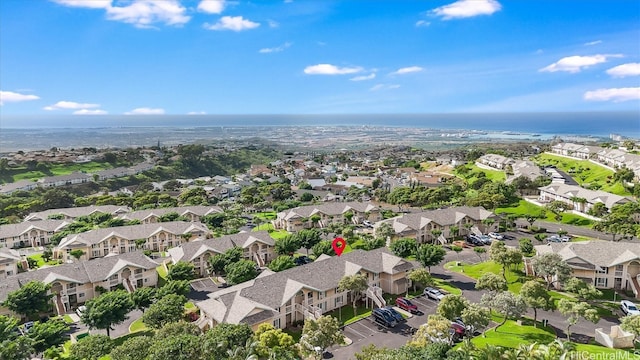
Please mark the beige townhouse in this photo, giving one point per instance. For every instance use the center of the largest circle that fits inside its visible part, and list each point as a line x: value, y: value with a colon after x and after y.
x: 579, y: 198
x: 322, y: 215
x: 26, y: 234
x: 117, y: 240
x: 71, y: 213
x: 257, y: 246
x: 9, y: 260
x: 306, y: 291
x: 192, y: 213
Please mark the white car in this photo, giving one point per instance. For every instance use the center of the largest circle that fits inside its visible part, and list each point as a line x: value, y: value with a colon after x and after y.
x: 496, y: 236
x: 629, y: 308
x: 433, y: 294
x: 367, y: 223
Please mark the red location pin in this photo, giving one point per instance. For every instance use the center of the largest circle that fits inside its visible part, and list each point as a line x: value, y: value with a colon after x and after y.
x: 338, y: 245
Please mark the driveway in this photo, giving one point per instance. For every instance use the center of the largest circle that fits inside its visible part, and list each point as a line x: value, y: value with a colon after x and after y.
x: 118, y: 330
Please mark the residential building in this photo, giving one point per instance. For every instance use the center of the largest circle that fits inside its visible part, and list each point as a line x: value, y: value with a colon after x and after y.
x: 436, y: 225
x: 20, y: 185
x: 71, y: 213
x: 117, y: 240
x: 9, y: 260
x: 27, y: 233
x: 192, y: 213
x: 525, y: 168
x: 257, y: 246
x: 327, y: 213
x: 580, y: 199
x: 495, y: 161
x: 306, y: 291
x: 63, y: 180
x: 75, y: 283
x: 575, y: 150
x: 604, y: 264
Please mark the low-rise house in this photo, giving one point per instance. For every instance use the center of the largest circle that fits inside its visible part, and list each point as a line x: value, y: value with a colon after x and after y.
x: 20, y: 185
x: 192, y: 213
x: 574, y: 150
x: 118, y: 240
x: 327, y: 213
x: 580, y: 199
x: 525, y: 168
x: 495, y: 161
x: 63, y: 180
x: 9, y: 260
x: 71, y: 213
x: 257, y: 246
x: 75, y: 283
x: 28, y: 233
x: 436, y: 225
x: 307, y: 291
x: 604, y: 264
x: 112, y: 173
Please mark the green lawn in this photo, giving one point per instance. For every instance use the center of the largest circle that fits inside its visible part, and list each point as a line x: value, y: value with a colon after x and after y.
x: 267, y: 215
x: 475, y: 271
x: 348, y: 315
x: 137, y: 325
x: 584, y: 172
x: 493, y: 175
x: 59, y: 169
x: 41, y: 262
x: 525, y: 208
x: 511, y: 335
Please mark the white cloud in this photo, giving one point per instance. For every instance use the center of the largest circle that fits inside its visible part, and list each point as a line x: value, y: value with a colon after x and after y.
x: 196, y: 113
x: 379, y: 87
x: 211, y: 6
x: 328, y: 69
x: 92, y: 4
x: 591, y: 43
x: 422, y: 23
x: 467, y: 8
x: 364, y: 77
x: 145, y: 111
x: 234, y: 23
x: 407, y: 70
x: 90, y: 112
x: 614, y: 94
x: 275, y: 49
x: 10, y: 96
x: 624, y: 70
x: 70, y: 105
x: 574, y: 64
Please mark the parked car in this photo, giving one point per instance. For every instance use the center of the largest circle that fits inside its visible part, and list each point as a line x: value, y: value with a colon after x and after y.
x: 474, y: 240
x: 26, y: 327
x: 80, y: 310
x: 496, y: 236
x: 367, y: 223
x: 485, y: 239
x: 396, y: 315
x: 384, y: 318
x: 629, y: 308
x: 433, y: 294
x: 558, y: 238
x: 458, y: 331
x: 407, y: 305
x: 302, y: 260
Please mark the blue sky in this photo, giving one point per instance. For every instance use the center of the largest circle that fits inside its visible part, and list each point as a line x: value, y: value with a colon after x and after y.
x: 117, y: 57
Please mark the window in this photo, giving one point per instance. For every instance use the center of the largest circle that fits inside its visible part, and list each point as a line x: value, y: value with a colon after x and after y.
x: 601, y: 282
x: 81, y: 295
x: 138, y: 271
x: 276, y: 323
x: 619, y: 269
x: 602, y: 270
x: 145, y: 280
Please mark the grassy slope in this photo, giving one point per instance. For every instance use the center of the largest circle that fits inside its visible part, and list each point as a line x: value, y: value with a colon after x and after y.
x: 61, y: 169
x: 525, y: 208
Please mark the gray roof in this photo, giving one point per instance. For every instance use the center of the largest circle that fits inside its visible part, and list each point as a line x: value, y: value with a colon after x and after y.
x: 9, y: 254
x: 69, y: 177
x: 196, y: 210
x: 81, y: 272
x: 11, y: 230
x: 133, y: 232
x: 596, y: 252
x: 331, y: 208
x: 78, y: 211
x: 443, y: 217
x: 190, y: 250
x: 592, y: 196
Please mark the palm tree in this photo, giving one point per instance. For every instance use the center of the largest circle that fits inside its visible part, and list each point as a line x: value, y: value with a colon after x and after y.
x: 454, y: 231
x: 248, y: 352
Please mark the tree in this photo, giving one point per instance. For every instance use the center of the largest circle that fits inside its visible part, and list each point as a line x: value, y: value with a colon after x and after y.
x: 510, y: 306
x: 282, y: 262
x: 451, y: 306
x: 177, y: 347
x: 584, y: 291
x: 168, y: 309
x: 274, y: 342
x: 536, y: 297
x: 241, y: 271
x: 404, y: 247
x: 430, y: 255
x: 217, y: 263
x: 574, y: 311
x: 323, y: 333
x: 177, y: 328
x: 20, y: 348
x: 135, y: 348
x: 107, y: 309
x: 29, y: 300
x: 47, y: 334
x: 143, y: 297
x: 91, y: 347
x: 178, y: 287
x: 308, y: 238
x: 77, y: 253
x: 287, y: 245
x: 182, y: 270
x: 47, y: 254
x: 223, y: 337
x: 631, y: 323
x: 475, y: 316
x: 551, y: 268
x: 7, y: 326
x: 355, y: 284
x: 384, y: 231
x: 498, y: 253
x: 435, y: 330
x: 526, y: 247
x: 491, y: 282
x: 323, y: 247
x: 421, y: 276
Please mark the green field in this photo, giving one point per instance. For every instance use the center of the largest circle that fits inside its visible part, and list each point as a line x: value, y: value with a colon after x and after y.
x: 493, y: 175
x: 525, y: 208
x: 58, y: 169
x: 584, y: 172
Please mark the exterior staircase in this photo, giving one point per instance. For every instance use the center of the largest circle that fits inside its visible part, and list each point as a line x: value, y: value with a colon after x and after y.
x: 375, y: 293
x: 129, y: 286
x: 60, y: 309
x: 259, y: 260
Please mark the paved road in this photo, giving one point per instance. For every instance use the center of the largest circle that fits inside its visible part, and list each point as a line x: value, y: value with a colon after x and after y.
x: 573, y: 230
x: 118, y: 330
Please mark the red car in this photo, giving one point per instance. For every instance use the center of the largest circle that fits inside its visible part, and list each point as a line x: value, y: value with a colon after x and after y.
x: 406, y: 305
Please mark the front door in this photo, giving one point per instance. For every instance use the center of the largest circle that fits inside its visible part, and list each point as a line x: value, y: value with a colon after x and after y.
x: 73, y: 300
x: 617, y: 283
